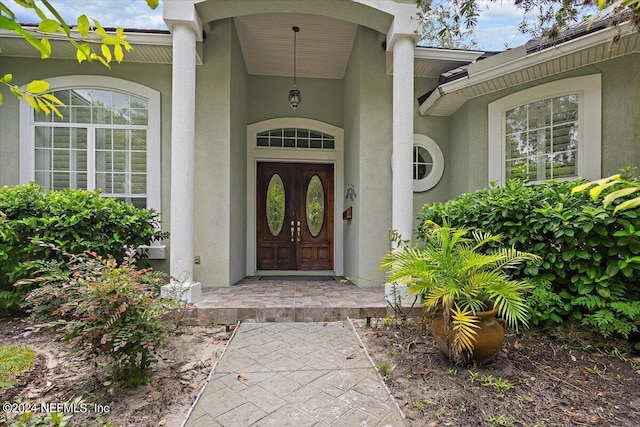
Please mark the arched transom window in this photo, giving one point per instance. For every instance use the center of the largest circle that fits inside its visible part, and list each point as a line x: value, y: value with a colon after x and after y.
x: 295, y: 138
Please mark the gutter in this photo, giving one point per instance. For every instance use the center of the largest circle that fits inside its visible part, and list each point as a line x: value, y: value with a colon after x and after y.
x: 144, y: 37
x: 513, y: 65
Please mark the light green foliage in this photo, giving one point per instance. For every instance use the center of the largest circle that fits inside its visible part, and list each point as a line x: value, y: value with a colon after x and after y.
x: 497, y: 384
x: 88, y: 38
x: 384, y: 368
x: 14, y: 360
x: 590, y: 257
x: 107, y: 309
x: 73, y: 220
x: 452, y: 271
x: 622, y: 189
x: 31, y: 419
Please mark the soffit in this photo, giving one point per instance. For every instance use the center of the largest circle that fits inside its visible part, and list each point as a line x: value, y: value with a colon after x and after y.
x: 558, y: 59
x: 150, y: 48
x: 323, y: 44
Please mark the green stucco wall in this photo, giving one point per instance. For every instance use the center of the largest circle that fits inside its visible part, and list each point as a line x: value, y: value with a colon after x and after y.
x: 321, y: 99
x: 620, y: 116
x: 238, y: 228
x: 220, y: 164
x: 436, y: 128
x: 368, y: 143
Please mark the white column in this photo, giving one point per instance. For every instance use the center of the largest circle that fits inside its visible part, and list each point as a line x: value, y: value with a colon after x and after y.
x: 403, y: 94
x: 183, y: 110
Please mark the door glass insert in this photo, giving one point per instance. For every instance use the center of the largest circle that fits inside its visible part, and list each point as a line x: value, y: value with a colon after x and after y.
x: 275, y: 205
x: 315, y: 206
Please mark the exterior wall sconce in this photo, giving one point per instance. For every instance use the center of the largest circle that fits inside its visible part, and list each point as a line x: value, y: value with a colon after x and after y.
x: 350, y: 193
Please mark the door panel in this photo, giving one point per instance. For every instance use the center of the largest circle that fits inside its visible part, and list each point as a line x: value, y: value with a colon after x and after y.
x: 315, y: 252
x: 304, y: 240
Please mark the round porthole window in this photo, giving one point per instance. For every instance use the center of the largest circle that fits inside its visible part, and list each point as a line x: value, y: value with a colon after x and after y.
x: 428, y: 163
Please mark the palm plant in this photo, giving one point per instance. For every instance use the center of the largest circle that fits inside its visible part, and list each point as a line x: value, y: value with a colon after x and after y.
x: 454, y: 271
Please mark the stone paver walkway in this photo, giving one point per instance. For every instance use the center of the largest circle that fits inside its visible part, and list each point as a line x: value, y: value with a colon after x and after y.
x: 295, y: 374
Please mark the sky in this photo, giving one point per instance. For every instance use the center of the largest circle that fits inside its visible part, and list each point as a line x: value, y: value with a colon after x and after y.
x: 497, y: 25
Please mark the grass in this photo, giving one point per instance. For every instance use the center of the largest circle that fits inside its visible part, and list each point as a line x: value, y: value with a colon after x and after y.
x: 384, y: 367
x: 14, y: 360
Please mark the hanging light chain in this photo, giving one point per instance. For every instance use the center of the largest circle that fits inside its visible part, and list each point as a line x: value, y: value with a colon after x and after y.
x: 295, y: 62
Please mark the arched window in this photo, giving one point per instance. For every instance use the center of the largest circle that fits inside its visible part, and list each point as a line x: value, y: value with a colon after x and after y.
x: 107, y: 139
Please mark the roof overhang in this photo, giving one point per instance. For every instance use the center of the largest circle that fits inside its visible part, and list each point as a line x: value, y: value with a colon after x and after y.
x: 516, y: 67
x: 430, y: 62
x: 151, y: 47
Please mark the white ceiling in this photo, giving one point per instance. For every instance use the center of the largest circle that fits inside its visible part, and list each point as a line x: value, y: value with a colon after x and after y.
x: 323, y: 44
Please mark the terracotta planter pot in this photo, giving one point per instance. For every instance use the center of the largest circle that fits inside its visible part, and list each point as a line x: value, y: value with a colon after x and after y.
x: 487, y: 343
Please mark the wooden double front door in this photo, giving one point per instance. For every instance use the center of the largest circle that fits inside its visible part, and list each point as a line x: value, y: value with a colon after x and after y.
x: 294, y: 216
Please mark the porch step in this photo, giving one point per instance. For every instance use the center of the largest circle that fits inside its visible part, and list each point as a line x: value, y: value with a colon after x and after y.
x: 289, y: 300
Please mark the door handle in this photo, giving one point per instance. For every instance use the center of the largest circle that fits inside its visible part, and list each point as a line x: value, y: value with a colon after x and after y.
x: 292, y: 222
x: 298, y: 231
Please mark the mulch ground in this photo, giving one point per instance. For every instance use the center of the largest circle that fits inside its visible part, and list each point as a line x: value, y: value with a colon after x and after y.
x: 554, y: 377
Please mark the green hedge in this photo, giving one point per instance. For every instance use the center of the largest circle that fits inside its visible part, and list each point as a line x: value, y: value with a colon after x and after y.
x: 590, y: 265
x: 73, y: 221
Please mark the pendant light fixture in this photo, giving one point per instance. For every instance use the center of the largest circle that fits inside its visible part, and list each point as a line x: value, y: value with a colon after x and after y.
x: 294, y: 93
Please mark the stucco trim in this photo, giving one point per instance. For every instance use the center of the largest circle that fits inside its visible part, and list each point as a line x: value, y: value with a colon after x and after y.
x: 305, y: 155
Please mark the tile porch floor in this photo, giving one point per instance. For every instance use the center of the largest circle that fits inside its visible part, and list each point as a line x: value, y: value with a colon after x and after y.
x: 295, y: 299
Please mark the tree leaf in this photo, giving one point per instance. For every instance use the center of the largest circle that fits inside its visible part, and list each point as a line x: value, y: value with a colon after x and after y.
x: 52, y: 98
x: 83, y: 52
x: 595, y: 191
x: 117, y: 51
x: 106, y: 52
x: 32, y: 102
x: 7, y: 78
x: 617, y: 194
x: 629, y: 204
x: 38, y: 86
x: 9, y: 24
x: 83, y: 25
x: 46, y: 52
x: 152, y: 3
x: 48, y: 26
x: 99, y: 30
x: 0, y: 98
x: 42, y: 104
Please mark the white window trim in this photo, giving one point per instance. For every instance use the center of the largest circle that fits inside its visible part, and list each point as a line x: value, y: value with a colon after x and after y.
x: 27, y: 128
x: 588, y: 88
x: 434, y: 176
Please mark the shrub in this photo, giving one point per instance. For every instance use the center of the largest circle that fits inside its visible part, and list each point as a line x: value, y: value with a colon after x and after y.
x: 106, y: 309
x: 590, y: 257
x: 72, y: 220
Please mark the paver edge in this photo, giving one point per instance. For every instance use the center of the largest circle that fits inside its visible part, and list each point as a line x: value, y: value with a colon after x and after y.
x: 206, y: 383
x: 364, y: 347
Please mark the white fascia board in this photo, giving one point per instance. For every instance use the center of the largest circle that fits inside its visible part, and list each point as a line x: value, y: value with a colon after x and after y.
x: 547, y: 54
x: 447, y: 54
x: 151, y: 39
